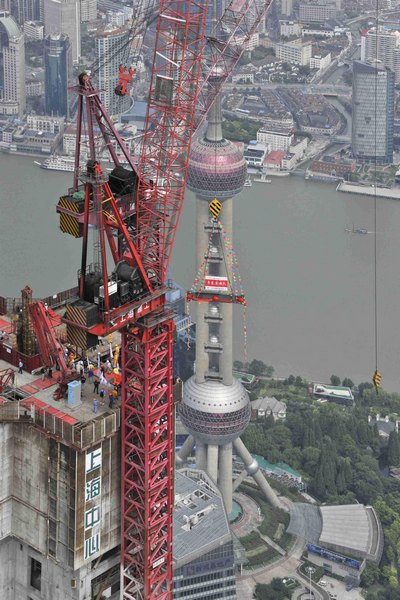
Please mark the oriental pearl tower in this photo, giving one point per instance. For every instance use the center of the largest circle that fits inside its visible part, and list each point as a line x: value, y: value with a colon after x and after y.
x: 215, y: 408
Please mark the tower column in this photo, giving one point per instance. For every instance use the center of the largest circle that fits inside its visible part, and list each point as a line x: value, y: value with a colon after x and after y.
x: 212, y: 461
x: 225, y: 475
x: 201, y: 455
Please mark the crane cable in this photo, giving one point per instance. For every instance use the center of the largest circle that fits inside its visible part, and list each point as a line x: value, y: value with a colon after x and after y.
x: 135, y: 29
x: 376, y: 378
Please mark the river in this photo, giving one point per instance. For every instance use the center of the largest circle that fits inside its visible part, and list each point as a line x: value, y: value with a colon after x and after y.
x: 309, y: 284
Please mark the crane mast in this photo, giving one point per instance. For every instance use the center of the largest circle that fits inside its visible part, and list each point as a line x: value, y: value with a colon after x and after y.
x: 133, y: 214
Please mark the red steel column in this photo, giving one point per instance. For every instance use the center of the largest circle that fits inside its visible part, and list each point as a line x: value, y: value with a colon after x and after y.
x: 147, y: 461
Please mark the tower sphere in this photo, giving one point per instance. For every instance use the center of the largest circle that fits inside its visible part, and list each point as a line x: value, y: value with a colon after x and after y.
x: 217, y: 169
x: 215, y: 413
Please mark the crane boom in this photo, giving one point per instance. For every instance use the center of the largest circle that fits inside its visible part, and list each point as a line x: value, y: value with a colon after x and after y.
x: 235, y: 27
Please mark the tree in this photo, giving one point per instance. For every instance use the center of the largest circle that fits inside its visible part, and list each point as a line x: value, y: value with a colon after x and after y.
x: 347, y: 382
x: 257, y: 367
x: 238, y: 365
x: 394, y: 449
x: 335, y: 380
x: 370, y: 575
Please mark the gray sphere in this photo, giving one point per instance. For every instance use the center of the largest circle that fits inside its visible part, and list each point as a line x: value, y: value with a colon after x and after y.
x: 215, y: 413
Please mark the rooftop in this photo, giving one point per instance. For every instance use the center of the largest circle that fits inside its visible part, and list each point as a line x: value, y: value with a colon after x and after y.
x: 274, y: 157
x: 350, y: 528
x: 199, y: 506
x: 268, y: 404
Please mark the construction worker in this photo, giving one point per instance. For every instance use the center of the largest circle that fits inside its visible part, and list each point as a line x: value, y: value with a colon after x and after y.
x: 124, y: 78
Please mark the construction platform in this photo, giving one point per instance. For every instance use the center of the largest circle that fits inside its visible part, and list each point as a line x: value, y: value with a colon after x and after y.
x: 31, y: 399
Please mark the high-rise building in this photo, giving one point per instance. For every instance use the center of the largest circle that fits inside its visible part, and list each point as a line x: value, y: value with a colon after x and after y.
x: 383, y: 46
x: 25, y: 10
x: 202, y: 543
x: 60, y: 508
x: 286, y: 7
x: 13, y: 50
x: 57, y: 66
x: 373, y: 112
x: 112, y: 49
x: 88, y: 10
x: 215, y: 409
x: 63, y: 16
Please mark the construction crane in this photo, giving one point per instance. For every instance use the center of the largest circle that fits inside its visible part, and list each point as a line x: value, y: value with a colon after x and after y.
x: 131, y: 214
x: 51, y: 349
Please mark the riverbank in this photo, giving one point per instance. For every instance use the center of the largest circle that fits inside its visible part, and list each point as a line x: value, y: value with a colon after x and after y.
x: 371, y: 190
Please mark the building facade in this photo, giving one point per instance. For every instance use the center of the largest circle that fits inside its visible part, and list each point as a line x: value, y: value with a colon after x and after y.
x: 296, y: 52
x: 373, y: 113
x: 13, y: 50
x: 276, y: 138
x: 289, y: 28
x: 111, y: 50
x: 88, y: 10
x: 383, y: 46
x: 316, y: 13
x: 57, y: 66
x: 64, y: 16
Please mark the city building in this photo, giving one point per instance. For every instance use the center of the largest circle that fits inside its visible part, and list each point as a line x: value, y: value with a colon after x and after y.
x: 296, y: 52
x: 316, y: 13
x: 48, y: 124
x: 320, y: 60
x: 277, y: 138
x: 339, y: 538
x: 290, y: 28
x: 111, y: 50
x: 317, y: 30
x: 384, y: 425
x: 215, y: 408
x: 335, y: 166
x: 64, y: 16
x: 334, y: 393
x: 273, y: 160
x: 261, y: 408
x: 244, y: 75
x: 33, y: 30
x: 289, y: 162
x: 60, y: 494
x: 204, y: 567
x: 384, y: 46
x: 12, y: 47
x: 298, y: 147
x: 286, y: 7
x: 373, y: 113
x: 25, y: 10
x: 88, y: 10
x: 57, y: 67
x: 255, y: 153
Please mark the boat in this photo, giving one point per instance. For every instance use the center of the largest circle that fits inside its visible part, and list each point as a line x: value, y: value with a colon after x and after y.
x: 248, y: 182
x: 263, y: 179
x: 59, y: 163
x: 359, y: 230
x: 37, y: 163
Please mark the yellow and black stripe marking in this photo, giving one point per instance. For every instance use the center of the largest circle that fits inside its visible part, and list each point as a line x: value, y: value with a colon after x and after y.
x: 376, y: 380
x: 76, y: 315
x: 215, y: 207
x: 68, y: 223
x: 76, y: 337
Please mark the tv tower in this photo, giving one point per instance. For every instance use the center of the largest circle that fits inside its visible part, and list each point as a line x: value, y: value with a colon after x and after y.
x: 216, y: 407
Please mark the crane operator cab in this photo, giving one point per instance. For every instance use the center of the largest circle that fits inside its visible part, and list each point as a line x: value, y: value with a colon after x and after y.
x: 124, y: 79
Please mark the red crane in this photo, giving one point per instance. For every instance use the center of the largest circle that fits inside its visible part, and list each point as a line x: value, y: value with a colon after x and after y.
x: 135, y: 212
